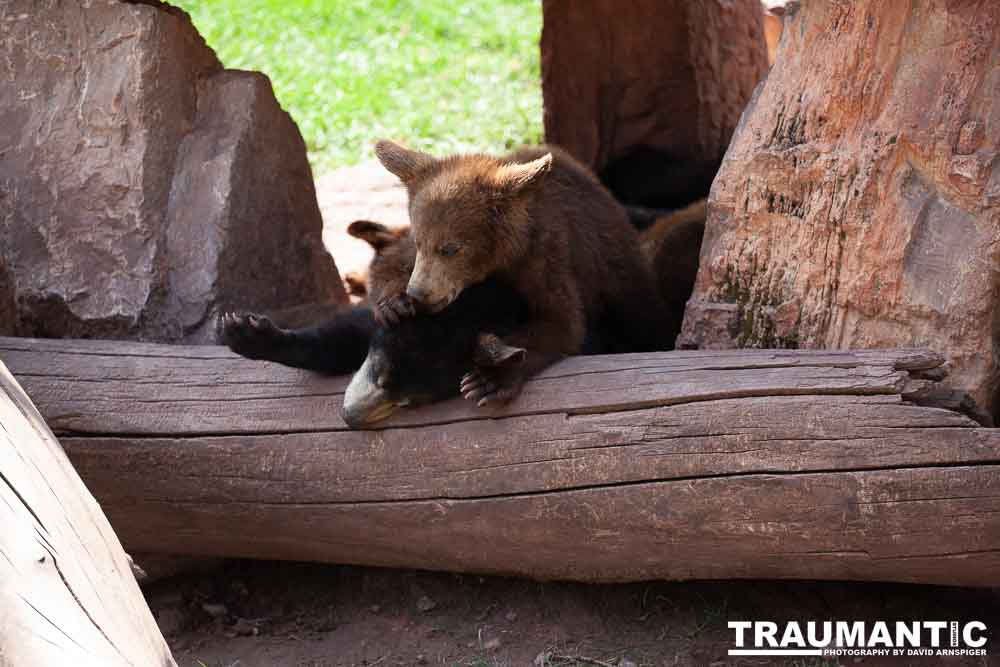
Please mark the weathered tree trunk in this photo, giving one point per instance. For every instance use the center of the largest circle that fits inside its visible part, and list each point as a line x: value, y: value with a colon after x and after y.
x: 773, y: 25
x: 67, y: 594
x: 647, y: 93
x: 859, y: 203
x: 671, y: 465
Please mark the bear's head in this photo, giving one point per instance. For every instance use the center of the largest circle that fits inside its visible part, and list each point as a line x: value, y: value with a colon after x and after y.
x: 422, y: 359
x: 395, y: 254
x: 469, y: 217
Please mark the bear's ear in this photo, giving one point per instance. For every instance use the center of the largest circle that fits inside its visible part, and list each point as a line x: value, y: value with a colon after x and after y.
x: 518, y: 177
x: 493, y: 352
x: 356, y: 283
x: 377, y: 235
x: 406, y: 164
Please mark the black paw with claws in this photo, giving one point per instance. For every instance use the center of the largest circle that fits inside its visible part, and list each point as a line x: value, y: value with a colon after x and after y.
x: 389, y: 310
x: 252, y: 336
x: 492, y: 386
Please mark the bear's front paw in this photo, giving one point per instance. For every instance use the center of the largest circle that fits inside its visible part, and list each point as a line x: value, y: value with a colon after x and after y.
x: 252, y: 336
x: 488, y: 385
x: 389, y: 310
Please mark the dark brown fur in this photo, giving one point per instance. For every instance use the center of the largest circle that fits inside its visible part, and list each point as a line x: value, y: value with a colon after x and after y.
x: 672, y: 246
x: 542, y: 222
x: 356, y: 284
x: 389, y: 270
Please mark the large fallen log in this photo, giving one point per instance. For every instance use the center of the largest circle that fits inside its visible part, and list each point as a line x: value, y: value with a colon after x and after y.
x: 736, y: 464
x: 67, y: 594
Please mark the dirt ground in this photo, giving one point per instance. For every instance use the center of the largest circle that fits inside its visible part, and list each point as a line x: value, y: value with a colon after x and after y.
x: 259, y: 614
x: 362, y: 192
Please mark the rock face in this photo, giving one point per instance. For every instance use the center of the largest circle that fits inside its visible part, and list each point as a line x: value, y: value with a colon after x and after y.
x: 142, y: 187
x: 243, y: 224
x: 647, y: 93
x: 859, y: 203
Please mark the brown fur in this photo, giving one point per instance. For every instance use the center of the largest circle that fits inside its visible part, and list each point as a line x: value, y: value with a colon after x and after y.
x: 543, y: 222
x: 389, y: 270
x: 356, y: 284
x: 672, y: 245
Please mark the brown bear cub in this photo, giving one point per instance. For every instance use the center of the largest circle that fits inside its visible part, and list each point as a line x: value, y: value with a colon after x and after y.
x: 672, y: 246
x: 389, y: 271
x: 543, y: 223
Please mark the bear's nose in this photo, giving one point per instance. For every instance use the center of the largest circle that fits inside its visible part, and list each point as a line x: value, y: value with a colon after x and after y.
x: 416, y: 294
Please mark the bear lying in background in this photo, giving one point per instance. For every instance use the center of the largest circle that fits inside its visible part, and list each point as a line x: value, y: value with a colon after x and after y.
x: 672, y: 246
x: 541, y: 221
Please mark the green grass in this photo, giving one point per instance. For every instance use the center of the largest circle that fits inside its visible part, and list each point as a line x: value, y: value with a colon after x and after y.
x: 441, y: 75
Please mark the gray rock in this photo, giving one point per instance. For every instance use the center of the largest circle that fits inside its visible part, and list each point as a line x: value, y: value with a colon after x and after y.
x: 124, y: 146
x: 243, y: 211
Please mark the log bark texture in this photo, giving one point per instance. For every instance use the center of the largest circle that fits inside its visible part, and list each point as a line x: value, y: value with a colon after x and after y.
x: 648, y: 93
x: 67, y: 594
x: 739, y: 464
x: 859, y: 203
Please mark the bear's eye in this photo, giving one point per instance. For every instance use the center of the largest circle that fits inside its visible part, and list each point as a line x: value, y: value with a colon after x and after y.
x: 448, y: 250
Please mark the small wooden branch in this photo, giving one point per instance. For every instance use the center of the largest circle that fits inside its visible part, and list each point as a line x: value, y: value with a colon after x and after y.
x: 67, y: 594
x: 737, y: 464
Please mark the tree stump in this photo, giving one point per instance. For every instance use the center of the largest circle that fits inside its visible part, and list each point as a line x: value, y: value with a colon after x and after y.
x: 682, y: 465
x: 647, y: 93
x: 67, y: 594
x: 859, y: 203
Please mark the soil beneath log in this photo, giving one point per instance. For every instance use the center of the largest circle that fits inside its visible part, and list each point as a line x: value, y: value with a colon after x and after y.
x: 262, y: 614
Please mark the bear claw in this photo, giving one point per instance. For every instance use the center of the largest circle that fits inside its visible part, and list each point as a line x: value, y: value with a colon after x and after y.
x: 248, y: 334
x: 475, y: 387
x: 390, y: 310
x: 485, y: 386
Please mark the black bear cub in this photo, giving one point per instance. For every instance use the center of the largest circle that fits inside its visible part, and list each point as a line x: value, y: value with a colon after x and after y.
x: 336, y: 346
x: 421, y: 359
x: 424, y: 357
